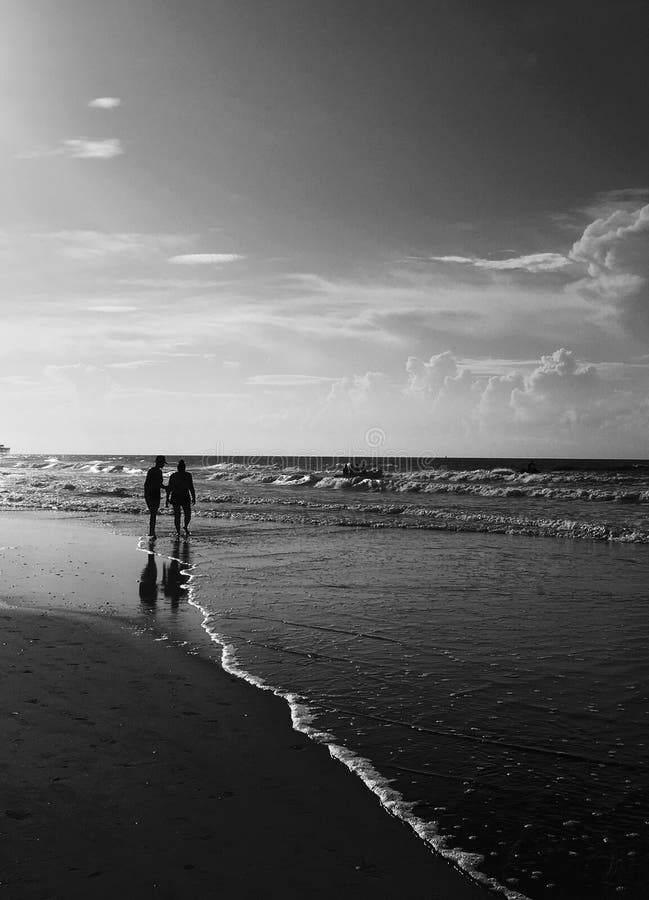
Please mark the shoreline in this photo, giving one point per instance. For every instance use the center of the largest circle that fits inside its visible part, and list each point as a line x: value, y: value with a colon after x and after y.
x: 184, y: 738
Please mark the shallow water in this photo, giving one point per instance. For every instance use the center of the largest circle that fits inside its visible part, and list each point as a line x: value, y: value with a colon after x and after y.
x: 496, y: 672
x: 501, y: 681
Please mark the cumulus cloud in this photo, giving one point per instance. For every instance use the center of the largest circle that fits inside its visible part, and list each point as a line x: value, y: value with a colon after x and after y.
x: 608, y: 264
x: 615, y: 253
x: 429, y: 377
x: 204, y: 259
x: 105, y: 103
x: 562, y: 406
x: 533, y: 262
x: 559, y: 393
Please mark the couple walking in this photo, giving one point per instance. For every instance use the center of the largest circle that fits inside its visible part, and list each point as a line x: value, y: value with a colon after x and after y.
x: 180, y: 491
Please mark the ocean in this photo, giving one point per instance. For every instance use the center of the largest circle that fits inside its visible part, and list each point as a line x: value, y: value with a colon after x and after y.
x: 467, y: 636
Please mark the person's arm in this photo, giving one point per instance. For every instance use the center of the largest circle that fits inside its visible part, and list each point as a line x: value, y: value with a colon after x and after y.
x: 191, y: 489
x: 168, y: 489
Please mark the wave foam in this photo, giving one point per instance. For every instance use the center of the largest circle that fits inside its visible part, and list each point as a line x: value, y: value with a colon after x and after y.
x: 302, y: 717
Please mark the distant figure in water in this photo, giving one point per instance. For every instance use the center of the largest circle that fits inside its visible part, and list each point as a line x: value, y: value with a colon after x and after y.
x: 180, y: 491
x: 347, y: 470
x: 531, y: 468
x: 153, y: 484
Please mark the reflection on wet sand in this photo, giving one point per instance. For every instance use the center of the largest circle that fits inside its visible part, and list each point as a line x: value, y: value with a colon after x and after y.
x: 174, y: 580
x: 148, y: 588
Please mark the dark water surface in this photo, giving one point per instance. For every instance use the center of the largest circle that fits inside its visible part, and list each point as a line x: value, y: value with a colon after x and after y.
x: 503, y: 682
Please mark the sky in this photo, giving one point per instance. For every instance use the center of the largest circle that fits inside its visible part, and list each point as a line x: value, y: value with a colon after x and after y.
x: 309, y: 226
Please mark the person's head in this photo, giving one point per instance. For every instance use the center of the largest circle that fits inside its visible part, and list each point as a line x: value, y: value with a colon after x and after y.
x: 181, y: 465
x: 160, y: 461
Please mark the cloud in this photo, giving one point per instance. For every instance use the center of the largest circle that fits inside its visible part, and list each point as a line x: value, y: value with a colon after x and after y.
x: 563, y: 406
x: 81, y: 148
x: 231, y: 364
x: 96, y: 245
x: 558, y: 393
x: 78, y: 148
x: 607, y: 265
x: 204, y: 259
x: 168, y: 284
x: 429, y: 377
x: 615, y: 253
x: 112, y: 309
x: 287, y: 380
x: 132, y: 364
x: 533, y: 262
x: 105, y: 103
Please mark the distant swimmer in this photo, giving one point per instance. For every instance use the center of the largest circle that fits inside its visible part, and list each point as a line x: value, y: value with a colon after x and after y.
x: 180, y: 491
x: 153, y: 484
x: 531, y: 468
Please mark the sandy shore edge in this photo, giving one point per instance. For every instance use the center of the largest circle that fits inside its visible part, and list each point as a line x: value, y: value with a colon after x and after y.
x: 134, y: 767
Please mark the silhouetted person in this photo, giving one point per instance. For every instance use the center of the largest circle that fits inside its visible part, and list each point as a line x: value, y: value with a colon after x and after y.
x: 149, y: 582
x: 346, y: 470
x: 180, y: 491
x: 531, y: 468
x: 153, y: 484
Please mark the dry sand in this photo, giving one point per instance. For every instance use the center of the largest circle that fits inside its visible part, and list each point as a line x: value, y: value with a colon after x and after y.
x: 130, y: 767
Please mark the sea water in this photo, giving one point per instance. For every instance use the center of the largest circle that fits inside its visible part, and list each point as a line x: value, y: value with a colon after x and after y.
x: 474, y: 637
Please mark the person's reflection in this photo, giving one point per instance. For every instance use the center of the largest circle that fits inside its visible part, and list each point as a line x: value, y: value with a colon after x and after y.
x: 149, y: 583
x: 173, y: 578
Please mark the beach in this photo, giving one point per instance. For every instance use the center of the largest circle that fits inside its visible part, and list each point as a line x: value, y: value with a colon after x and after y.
x: 468, y: 642
x: 135, y: 764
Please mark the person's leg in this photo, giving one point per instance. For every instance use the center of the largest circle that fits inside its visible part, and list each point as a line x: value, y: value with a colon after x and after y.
x: 187, y: 510
x: 153, y: 511
x: 177, y: 517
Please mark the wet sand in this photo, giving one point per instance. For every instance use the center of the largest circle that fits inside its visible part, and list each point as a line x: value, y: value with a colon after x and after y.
x: 130, y: 766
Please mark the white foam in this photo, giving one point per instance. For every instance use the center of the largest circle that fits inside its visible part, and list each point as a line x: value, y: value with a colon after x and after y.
x: 302, y: 718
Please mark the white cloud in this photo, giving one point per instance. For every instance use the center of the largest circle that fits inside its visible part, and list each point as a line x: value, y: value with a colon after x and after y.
x: 430, y: 376
x: 90, y: 245
x: 615, y: 253
x: 78, y: 148
x: 288, y: 380
x: 169, y: 284
x: 231, y: 364
x: 105, y: 103
x: 204, y: 259
x: 532, y: 262
x: 608, y: 264
x: 561, y: 407
x: 81, y: 148
x: 132, y: 364
x: 111, y: 309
